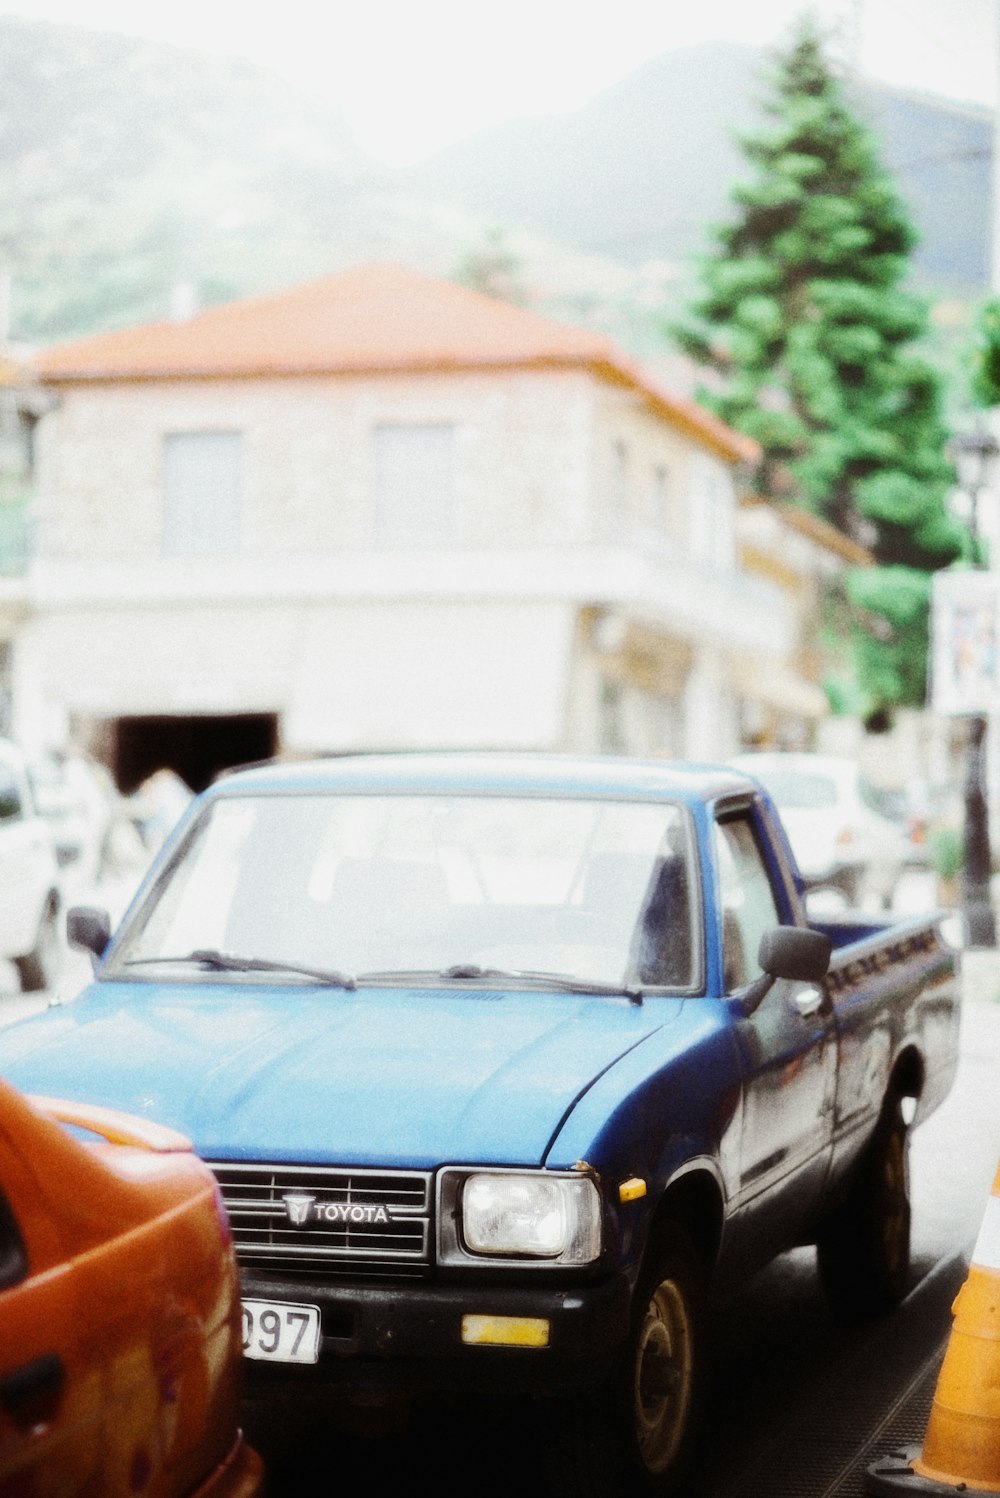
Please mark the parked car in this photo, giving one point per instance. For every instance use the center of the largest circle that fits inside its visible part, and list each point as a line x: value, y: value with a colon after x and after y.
x: 120, y: 1341
x: 30, y: 888
x: 505, y: 1064
x: 841, y: 838
x: 79, y: 800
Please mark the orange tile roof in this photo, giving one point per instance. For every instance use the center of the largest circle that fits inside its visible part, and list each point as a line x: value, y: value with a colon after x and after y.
x: 376, y: 319
x: 13, y: 372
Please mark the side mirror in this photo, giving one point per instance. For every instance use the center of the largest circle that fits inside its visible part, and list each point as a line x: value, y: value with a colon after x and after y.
x: 796, y: 953
x: 791, y: 952
x: 89, y: 928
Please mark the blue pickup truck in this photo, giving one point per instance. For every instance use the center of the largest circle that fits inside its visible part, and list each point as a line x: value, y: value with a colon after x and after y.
x: 507, y: 1066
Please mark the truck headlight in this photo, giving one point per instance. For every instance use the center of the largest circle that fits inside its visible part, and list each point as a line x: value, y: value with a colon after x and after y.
x: 507, y: 1214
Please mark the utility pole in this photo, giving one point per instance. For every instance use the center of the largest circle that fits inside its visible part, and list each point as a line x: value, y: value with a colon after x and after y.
x: 973, y: 454
x: 980, y: 919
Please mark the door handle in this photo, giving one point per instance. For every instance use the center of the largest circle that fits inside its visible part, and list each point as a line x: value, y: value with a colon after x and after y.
x: 807, y: 1002
x: 30, y: 1394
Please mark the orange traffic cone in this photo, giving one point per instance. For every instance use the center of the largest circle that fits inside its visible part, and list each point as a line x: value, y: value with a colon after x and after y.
x: 962, y: 1442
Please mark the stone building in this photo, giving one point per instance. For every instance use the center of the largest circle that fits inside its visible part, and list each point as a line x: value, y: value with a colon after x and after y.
x: 22, y: 403
x: 381, y: 511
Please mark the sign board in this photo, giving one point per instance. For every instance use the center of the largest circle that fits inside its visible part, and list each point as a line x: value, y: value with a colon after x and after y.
x: 965, y: 642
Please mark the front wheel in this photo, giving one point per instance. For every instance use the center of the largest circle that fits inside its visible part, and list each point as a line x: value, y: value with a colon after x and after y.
x: 635, y: 1436
x: 664, y: 1368
x: 864, y: 1249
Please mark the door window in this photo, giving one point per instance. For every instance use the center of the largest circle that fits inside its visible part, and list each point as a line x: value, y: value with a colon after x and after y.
x: 747, y: 902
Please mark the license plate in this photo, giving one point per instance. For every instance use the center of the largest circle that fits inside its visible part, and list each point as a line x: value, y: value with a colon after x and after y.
x: 279, y: 1332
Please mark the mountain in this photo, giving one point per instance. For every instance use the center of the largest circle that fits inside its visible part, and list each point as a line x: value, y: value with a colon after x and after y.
x: 636, y: 174
x: 128, y: 166
x: 639, y: 172
x: 131, y: 171
x: 942, y: 158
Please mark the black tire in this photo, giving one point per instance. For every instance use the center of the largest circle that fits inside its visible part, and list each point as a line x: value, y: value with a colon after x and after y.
x: 40, y: 967
x: 635, y: 1436
x: 864, y: 1248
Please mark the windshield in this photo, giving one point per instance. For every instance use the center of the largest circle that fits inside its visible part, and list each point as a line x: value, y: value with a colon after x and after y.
x: 360, y: 885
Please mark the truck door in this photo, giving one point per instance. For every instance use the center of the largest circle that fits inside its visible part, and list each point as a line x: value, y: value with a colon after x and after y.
x: 787, y: 1050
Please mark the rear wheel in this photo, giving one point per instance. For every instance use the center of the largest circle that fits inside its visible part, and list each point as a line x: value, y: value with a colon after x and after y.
x: 40, y: 967
x: 864, y: 1249
x: 635, y: 1436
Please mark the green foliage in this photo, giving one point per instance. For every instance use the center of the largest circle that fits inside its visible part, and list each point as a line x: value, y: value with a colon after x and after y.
x: 890, y: 639
x: 946, y: 851
x: 986, y: 355
x: 803, y: 316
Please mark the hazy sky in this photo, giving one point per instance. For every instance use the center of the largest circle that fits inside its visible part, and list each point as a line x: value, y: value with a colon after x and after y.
x: 412, y: 75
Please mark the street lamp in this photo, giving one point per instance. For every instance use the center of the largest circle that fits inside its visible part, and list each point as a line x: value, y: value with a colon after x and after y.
x: 972, y: 454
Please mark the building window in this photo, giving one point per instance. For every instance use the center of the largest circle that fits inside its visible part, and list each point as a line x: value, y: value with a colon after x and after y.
x: 202, y: 484
x: 610, y: 714
x: 713, y: 502
x: 414, y: 485
x: 619, y: 477
x: 661, y: 499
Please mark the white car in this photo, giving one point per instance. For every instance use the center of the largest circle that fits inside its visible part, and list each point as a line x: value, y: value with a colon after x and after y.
x: 30, y: 894
x: 839, y: 838
x: 78, y: 799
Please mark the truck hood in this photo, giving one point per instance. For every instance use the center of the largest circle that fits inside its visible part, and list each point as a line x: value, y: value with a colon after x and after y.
x: 400, y: 1076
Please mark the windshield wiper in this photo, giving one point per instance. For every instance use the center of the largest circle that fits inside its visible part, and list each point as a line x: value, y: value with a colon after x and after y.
x: 230, y: 962
x: 563, y: 981
x: 471, y: 972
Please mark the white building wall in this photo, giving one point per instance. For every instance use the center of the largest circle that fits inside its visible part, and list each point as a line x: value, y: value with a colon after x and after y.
x: 710, y: 731
x: 523, y: 458
x: 642, y: 472
x: 572, y: 494
x: 380, y: 673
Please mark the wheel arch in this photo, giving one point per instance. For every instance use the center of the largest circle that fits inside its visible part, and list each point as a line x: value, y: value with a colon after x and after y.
x: 693, y: 1200
x: 906, y: 1080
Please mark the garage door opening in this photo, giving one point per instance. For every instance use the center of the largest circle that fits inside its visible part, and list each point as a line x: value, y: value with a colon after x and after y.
x: 197, y: 748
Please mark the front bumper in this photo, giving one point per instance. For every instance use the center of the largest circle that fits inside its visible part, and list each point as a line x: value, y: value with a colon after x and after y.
x: 408, y: 1337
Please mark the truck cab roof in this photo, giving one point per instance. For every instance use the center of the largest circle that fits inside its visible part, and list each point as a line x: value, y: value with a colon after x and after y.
x: 492, y: 773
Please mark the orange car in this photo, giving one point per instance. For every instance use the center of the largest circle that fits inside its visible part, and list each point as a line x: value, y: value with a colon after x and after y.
x: 120, y: 1342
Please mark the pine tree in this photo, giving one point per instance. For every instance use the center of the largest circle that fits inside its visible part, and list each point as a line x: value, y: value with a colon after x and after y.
x: 811, y: 334
x: 985, y: 358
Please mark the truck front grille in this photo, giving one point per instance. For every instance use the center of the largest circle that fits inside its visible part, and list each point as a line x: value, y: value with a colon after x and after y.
x: 320, y: 1219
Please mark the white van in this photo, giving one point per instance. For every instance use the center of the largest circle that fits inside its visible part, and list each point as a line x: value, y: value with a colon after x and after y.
x: 840, y: 839
x: 30, y: 898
